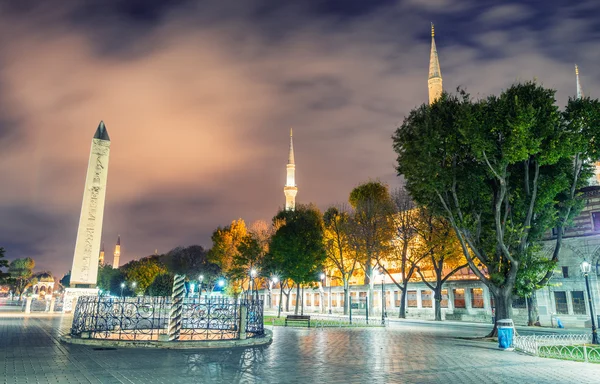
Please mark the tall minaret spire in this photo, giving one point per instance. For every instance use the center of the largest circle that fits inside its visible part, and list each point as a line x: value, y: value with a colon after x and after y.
x: 435, y: 74
x: 290, y: 190
x: 117, y: 253
x: 579, y: 90
x: 595, y: 178
x: 101, y: 257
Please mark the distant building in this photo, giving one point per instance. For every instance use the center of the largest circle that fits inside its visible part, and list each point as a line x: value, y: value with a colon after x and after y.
x: 45, y: 284
x: 290, y: 190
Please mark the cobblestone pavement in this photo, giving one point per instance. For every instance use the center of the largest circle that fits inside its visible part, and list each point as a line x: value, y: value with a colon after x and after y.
x: 31, y: 353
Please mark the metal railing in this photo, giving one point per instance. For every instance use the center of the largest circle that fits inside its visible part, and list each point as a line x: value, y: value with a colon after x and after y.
x: 147, y: 318
x: 575, y: 347
x: 344, y: 321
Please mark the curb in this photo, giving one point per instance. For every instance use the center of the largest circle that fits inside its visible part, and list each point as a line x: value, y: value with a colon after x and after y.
x: 212, y: 344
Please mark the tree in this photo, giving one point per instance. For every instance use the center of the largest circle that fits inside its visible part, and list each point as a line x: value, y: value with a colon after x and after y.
x: 502, y: 170
x: 21, y: 273
x: 3, y: 264
x: 161, y: 286
x: 341, y: 257
x: 297, y: 246
x: 405, y: 249
x: 65, y: 281
x: 225, y: 249
x: 444, y: 255
x: 192, y: 261
x: 142, y: 272
x: 249, y: 257
x: 371, y: 228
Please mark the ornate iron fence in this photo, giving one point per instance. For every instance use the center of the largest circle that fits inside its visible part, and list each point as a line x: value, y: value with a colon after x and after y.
x: 568, y: 347
x: 147, y: 318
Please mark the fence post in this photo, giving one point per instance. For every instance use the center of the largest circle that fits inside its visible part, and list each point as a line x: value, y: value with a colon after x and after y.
x: 585, y: 356
x: 28, y: 304
x: 52, y: 303
x: 243, y: 312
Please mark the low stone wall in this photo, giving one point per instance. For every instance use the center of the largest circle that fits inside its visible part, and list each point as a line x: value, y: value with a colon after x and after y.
x: 266, y: 339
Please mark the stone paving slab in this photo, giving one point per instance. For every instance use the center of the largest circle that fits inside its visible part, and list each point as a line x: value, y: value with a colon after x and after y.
x: 30, y: 352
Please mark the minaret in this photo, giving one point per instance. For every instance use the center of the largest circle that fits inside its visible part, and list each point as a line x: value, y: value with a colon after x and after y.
x: 595, y: 178
x: 290, y: 190
x: 117, y: 253
x: 579, y: 90
x: 84, y: 272
x: 101, y: 257
x: 435, y: 74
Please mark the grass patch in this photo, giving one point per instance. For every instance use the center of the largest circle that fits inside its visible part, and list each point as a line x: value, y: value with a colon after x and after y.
x: 571, y: 352
x: 279, y: 321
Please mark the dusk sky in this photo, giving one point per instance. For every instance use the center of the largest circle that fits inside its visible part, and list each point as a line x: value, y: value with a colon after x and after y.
x: 198, y: 98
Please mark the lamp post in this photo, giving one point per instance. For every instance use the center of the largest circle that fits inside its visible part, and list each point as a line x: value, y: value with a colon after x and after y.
x: 586, y: 268
x: 252, y: 276
x: 200, y: 279
x: 381, y: 272
x: 275, y: 280
x: 322, y: 276
x: 329, y: 298
x: 133, y: 285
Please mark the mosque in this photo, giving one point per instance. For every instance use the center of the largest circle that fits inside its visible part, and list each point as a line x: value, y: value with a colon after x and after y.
x: 464, y: 297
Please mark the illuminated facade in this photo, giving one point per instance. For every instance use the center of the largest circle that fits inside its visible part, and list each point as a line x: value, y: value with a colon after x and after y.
x: 101, y: 256
x: 434, y: 82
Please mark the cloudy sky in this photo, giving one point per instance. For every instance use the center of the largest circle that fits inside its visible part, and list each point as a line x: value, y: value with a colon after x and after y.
x: 198, y: 98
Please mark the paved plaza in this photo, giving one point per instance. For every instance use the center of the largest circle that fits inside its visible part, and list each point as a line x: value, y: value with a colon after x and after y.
x: 406, y: 352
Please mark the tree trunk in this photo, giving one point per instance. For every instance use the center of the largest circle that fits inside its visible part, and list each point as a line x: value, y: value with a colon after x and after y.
x: 346, y: 300
x: 297, y: 299
x: 302, y: 304
x: 402, y: 313
x: 280, y: 301
x: 437, y: 302
x: 503, y: 301
x: 533, y: 316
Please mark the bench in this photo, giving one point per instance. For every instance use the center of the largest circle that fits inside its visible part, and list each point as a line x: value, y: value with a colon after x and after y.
x: 297, y: 319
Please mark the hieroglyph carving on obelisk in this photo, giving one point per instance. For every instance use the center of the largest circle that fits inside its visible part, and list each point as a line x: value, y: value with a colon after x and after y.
x: 87, y: 246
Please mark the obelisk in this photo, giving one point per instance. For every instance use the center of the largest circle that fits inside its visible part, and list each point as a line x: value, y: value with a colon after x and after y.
x: 84, y: 272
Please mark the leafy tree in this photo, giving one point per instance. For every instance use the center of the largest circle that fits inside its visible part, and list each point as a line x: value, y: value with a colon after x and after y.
x: 406, y: 250
x: 161, y: 286
x: 502, y: 170
x: 249, y: 257
x: 371, y: 228
x: 341, y: 257
x: 192, y: 261
x: 297, y: 246
x: 21, y: 273
x: 3, y: 264
x: 65, y: 281
x: 225, y: 249
x: 142, y: 272
x: 109, y: 279
x: 444, y: 255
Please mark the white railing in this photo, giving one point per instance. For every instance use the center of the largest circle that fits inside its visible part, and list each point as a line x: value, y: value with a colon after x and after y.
x: 567, y: 347
x: 344, y: 321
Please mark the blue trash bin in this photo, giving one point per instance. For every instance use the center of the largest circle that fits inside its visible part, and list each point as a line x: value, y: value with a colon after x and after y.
x: 506, y: 332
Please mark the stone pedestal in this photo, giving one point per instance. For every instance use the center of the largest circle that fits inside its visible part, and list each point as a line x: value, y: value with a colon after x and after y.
x: 72, y: 294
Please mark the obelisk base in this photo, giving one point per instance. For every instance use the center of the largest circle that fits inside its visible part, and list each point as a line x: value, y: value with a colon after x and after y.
x: 74, y: 293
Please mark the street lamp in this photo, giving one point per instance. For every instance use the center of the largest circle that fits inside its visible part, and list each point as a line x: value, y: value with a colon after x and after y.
x: 382, y: 296
x: 329, y: 299
x: 275, y: 280
x: 252, y: 275
x: 133, y: 285
x: 322, y: 276
x: 586, y: 268
x: 200, y: 279
x: 122, y: 287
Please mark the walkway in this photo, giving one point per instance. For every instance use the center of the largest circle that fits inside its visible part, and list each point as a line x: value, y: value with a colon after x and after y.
x: 404, y: 353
